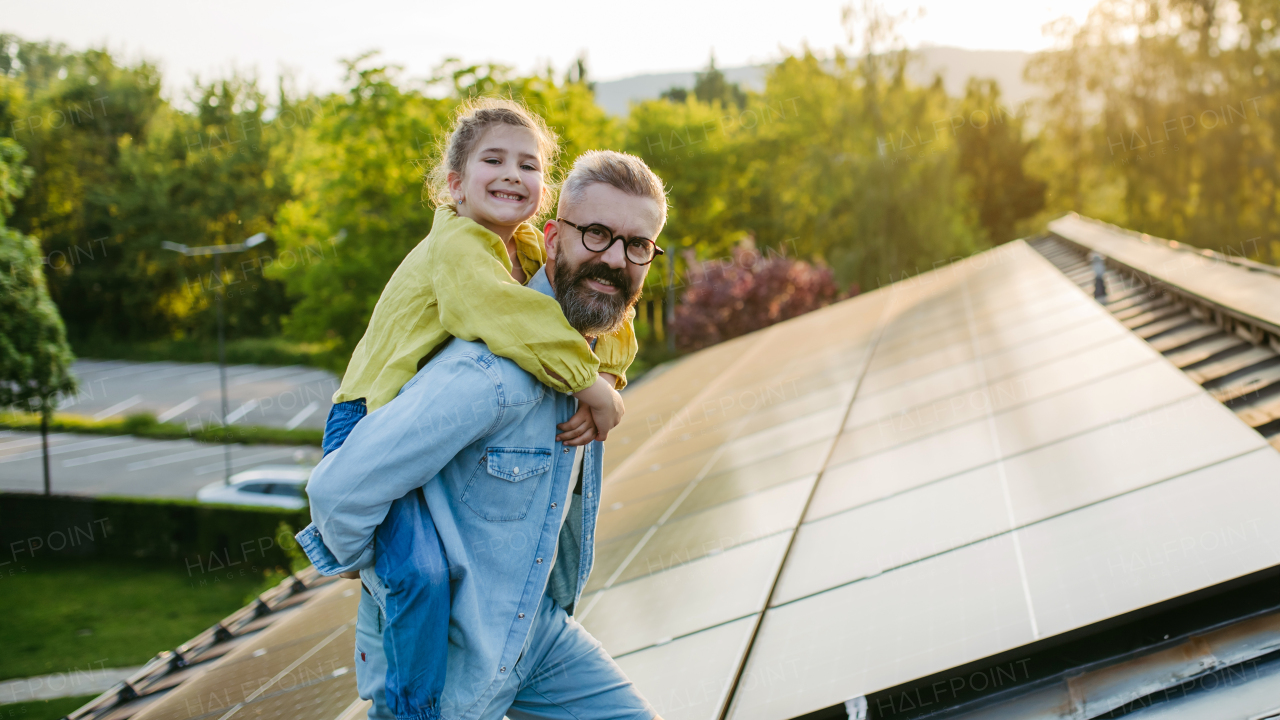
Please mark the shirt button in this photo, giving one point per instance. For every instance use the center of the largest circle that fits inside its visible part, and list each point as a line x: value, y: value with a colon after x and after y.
x: 521, y: 616
x: 553, y: 505
x: 502, y: 669
x: 539, y: 561
x: 566, y: 449
x: 515, y: 470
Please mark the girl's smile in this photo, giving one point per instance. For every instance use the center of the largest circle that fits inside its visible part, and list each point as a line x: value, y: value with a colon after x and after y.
x: 502, y: 183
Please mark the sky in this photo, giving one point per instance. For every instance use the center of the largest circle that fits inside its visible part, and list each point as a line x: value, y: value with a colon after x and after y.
x: 308, y: 39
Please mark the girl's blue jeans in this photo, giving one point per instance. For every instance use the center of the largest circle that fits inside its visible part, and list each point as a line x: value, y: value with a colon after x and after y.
x: 411, y: 563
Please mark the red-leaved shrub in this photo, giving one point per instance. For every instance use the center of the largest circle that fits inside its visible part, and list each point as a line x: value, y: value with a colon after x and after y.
x: 734, y: 296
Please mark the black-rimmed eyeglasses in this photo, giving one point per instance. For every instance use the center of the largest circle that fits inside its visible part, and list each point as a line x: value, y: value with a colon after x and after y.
x: 597, y: 238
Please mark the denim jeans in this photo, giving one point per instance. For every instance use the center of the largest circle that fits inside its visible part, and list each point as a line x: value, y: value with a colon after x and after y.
x: 342, y: 420
x: 411, y: 563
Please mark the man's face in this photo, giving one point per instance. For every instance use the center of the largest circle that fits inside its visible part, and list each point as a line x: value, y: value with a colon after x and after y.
x: 595, y: 289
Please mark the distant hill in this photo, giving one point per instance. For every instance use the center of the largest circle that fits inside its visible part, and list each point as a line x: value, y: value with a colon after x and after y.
x: 955, y: 65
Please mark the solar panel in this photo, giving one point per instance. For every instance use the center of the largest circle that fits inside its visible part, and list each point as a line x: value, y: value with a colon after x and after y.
x: 892, y: 532
x: 685, y: 598
x: 923, y: 618
x: 689, y: 679
x: 703, y: 534
x: 1158, y: 542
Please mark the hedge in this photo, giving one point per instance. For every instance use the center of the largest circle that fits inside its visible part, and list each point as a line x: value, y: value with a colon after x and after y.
x: 206, y: 538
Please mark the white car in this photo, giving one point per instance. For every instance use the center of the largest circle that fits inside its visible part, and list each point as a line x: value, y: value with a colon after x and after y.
x: 266, y: 485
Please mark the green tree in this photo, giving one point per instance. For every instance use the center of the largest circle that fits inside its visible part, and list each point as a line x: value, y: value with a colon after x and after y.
x: 1161, y: 116
x: 355, y: 175
x: 118, y: 171
x: 992, y: 154
x: 214, y: 176
x: 35, y: 360
x: 360, y: 170
x: 72, y: 115
x: 696, y: 156
x: 709, y: 86
x: 860, y: 175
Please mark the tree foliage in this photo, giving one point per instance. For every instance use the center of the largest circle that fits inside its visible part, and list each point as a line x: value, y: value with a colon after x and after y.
x: 35, y: 360
x: 1159, y: 115
x: 993, y: 158
x: 709, y: 86
x: 1162, y: 116
x: 357, y: 174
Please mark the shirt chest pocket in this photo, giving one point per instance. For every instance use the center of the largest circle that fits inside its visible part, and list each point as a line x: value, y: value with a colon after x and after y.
x: 504, y: 482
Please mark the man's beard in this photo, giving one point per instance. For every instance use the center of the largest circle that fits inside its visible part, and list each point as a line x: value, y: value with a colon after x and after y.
x: 589, y: 312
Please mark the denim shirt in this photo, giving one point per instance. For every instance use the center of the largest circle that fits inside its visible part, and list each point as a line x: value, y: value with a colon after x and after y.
x: 477, y: 434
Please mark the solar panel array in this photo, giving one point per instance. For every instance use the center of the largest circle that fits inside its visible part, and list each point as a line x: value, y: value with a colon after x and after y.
x: 932, y: 473
x: 944, y: 469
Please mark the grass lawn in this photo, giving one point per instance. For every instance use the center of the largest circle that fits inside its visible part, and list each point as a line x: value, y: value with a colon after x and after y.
x: 43, y: 709
x: 86, y: 614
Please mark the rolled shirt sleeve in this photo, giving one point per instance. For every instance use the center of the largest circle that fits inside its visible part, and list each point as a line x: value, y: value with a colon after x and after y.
x: 618, y: 350
x: 479, y: 300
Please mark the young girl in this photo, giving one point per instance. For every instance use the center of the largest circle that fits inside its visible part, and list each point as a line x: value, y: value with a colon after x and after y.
x: 466, y: 280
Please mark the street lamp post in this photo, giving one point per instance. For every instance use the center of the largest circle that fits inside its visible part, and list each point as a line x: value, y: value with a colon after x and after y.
x: 217, y: 251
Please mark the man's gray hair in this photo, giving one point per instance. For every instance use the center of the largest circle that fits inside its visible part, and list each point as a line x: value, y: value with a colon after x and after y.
x: 625, y: 172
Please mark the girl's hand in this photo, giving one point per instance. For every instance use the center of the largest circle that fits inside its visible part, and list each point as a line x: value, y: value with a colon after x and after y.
x: 608, y: 414
x: 579, y: 429
x: 606, y: 406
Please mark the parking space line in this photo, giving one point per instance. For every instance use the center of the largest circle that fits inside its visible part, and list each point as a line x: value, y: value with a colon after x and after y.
x: 270, y: 374
x: 87, y: 445
x: 118, y: 408
x: 171, y: 459
x: 114, y: 454
x: 314, y: 376
x: 82, y: 368
x: 247, y: 460
x: 178, y: 409
x: 241, y: 411
x: 141, y: 368
x: 30, y: 441
x: 176, y: 371
x: 303, y: 415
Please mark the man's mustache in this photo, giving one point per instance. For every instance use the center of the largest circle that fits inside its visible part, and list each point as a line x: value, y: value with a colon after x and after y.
x: 597, y: 270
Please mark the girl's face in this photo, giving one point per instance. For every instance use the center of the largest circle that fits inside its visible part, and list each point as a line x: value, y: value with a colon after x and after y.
x: 501, y: 184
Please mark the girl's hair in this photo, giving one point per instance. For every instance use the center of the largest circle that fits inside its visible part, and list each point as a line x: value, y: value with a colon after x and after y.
x: 474, y: 117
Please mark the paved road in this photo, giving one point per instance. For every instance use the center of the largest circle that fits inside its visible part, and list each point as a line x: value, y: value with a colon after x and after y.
x: 124, y: 465
x: 291, y: 396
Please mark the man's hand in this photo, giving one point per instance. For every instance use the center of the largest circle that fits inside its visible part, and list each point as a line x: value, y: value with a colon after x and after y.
x: 350, y: 575
x: 579, y: 429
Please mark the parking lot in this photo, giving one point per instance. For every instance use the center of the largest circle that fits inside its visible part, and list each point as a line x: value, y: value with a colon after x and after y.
x: 125, y: 465
x: 291, y: 396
